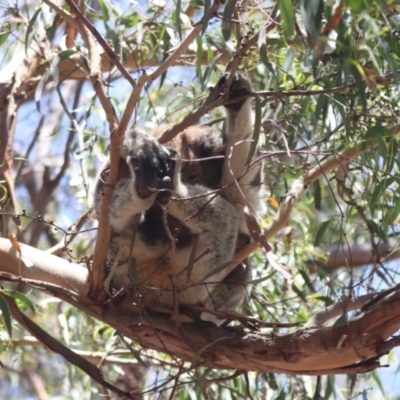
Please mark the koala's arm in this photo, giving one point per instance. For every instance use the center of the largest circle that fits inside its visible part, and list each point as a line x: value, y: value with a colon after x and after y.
x: 212, y: 219
x: 248, y: 189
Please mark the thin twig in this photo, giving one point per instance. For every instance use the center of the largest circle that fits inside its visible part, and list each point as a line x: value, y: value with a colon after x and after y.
x: 298, y: 188
x: 71, y: 234
x: 110, y: 53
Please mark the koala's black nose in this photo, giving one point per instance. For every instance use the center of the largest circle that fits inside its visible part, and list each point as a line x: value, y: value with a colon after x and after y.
x: 223, y: 80
x: 166, y: 182
x: 164, y: 195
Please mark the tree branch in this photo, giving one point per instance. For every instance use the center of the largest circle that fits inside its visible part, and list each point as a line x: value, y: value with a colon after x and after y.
x: 298, y: 188
x: 336, y: 349
x: 345, y: 304
x: 109, y: 52
x: 59, y: 348
x: 96, y: 77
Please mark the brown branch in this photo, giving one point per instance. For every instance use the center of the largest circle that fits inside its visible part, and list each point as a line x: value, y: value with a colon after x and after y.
x: 333, y: 350
x: 358, y: 255
x: 71, y: 234
x: 96, y: 77
x: 62, y: 13
x: 171, y: 60
x: 51, y: 269
x: 7, y: 132
x: 345, y: 304
x: 56, y: 346
x: 299, y: 186
x: 213, y: 100
x: 109, y: 52
x: 279, y: 94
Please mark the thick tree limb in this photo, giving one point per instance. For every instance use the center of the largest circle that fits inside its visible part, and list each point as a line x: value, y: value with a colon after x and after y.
x: 357, y: 255
x: 345, y: 304
x: 351, y: 348
x: 50, y: 269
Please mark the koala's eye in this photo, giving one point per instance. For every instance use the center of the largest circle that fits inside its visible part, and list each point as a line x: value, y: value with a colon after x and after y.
x: 192, y: 178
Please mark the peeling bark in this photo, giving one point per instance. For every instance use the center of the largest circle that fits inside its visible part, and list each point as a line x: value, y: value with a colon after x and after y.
x: 350, y: 348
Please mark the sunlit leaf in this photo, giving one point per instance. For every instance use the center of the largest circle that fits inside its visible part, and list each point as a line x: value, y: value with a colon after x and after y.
x: 178, y: 18
x: 274, y: 203
x: 287, y: 15
x: 199, y: 55
x: 356, y: 5
x: 105, y: 7
x: 311, y: 12
x: 207, y: 15
x: 319, y: 236
x: 226, y: 18
x: 3, y: 37
x: 317, y: 195
x: 20, y: 297
x: 6, y: 315
x: 342, y: 320
x: 207, y: 72
x: 29, y: 30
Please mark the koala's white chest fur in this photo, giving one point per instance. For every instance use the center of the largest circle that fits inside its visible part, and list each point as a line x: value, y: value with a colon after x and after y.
x: 161, y: 269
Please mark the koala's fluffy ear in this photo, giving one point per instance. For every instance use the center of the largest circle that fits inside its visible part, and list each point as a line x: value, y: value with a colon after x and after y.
x: 129, y: 142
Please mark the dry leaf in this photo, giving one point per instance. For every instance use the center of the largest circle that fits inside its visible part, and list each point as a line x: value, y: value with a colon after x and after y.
x: 255, y: 231
x: 333, y: 22
x: 370, y: 79
x: 14, y: 242
x: 258, y: 237
x: 274, y: 203
x: 281, y: 267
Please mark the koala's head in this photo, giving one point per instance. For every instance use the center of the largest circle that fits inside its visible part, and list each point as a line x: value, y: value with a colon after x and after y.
x: 152, y: 166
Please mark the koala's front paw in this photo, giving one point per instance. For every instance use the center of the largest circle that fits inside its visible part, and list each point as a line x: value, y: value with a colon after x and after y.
x: 239, y: 87
x: 153, y: 166
x: 168, y: 183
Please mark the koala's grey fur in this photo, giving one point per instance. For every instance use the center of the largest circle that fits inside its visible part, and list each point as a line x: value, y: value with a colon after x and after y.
x: 213, y: 223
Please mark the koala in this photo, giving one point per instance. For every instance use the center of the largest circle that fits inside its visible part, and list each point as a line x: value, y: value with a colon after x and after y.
x: 177, y: 211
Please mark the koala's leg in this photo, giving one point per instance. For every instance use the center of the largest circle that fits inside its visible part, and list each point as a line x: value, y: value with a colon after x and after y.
x: 230, y: 296
x: 248, y: 189
x: 214, y: 221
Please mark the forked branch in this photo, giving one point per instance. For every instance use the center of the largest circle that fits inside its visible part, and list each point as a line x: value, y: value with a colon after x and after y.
x: 350, y: 348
